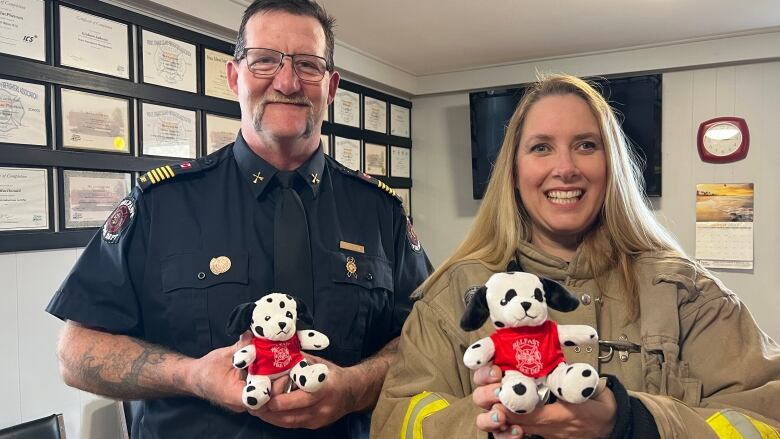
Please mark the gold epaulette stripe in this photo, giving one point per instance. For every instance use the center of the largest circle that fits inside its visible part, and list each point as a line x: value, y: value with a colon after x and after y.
x: 157, y: 175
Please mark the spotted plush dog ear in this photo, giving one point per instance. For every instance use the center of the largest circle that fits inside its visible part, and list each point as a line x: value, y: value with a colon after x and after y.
x: 305, y: 320
x: 477, y: 312
x: 558, y: 297
x: 240, y: 319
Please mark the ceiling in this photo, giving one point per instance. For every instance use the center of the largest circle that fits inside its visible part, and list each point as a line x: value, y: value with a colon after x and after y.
x: 425, y: 37
x: 430, y: 37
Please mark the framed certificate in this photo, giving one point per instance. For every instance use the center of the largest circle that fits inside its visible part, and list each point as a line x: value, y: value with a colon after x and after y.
x: 88, y: 197
x: 23, y: 116
x: 215, y: 75
x: 24, y: 199
x: 406, y: 200
x: 220, y: 131
x: 400, y: 162
x: 168, y: 62
x: 346, y: 108
x: 95, y: 122
x: 400, y: 124
x: 23, y: 28
x: 347, y: 152
x: 376, y: 159
x: 375, y: 115
x: 168, y: 131
x: 325, y: 139
x: 93, y: 43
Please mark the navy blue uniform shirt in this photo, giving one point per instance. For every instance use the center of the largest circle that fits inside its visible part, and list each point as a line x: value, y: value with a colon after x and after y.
x: 146, y: 274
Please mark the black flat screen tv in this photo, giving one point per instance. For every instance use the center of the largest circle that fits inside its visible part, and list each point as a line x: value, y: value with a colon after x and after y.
x: 636, y: 99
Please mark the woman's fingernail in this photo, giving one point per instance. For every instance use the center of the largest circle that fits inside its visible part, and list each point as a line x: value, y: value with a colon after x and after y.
x: 492, y: 372
x: 514, y: 432
x: 497, y: 391
x: 494, y: 417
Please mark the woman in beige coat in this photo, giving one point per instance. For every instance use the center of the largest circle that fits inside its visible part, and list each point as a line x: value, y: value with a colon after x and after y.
x: 680, y: 355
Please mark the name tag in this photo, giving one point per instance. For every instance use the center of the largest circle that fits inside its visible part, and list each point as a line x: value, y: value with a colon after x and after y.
x: 344, y: 245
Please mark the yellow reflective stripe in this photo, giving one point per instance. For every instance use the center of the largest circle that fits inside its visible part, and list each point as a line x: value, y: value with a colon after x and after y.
x: 730, y: 424
x: 420, y: 407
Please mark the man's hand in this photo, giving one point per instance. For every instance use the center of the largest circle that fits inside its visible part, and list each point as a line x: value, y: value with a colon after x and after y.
x: 299, y: 409
x: 595, y: 418
x: 213, y: 377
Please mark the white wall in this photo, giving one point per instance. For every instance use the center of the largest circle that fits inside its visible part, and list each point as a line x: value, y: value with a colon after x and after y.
x: 443, y: 208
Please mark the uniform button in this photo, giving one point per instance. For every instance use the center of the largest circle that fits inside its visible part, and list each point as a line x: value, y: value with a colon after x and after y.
x: 589, y: 349
x: 201, y: 275
x: 577, y: 349
x: 370, y: 276
x: 586, y: 299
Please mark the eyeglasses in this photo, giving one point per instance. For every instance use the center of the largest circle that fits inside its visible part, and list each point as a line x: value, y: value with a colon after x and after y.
x: 267, y: 62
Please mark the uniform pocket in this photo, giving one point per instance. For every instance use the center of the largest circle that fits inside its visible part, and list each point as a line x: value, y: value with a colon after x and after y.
x: 359, y: 300
x: 198, y: 298
x: 192, y: 270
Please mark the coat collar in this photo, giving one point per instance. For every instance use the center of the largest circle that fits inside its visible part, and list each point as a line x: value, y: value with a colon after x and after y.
x: 537, y: 261
x: 259, y: 174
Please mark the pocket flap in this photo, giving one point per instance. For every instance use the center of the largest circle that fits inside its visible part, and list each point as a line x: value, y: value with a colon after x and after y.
x: 366, y: 271
x: 193, y: 270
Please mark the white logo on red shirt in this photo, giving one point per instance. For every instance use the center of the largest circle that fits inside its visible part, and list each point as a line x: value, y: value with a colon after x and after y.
x: 527, y: 355
x: 282, y: 355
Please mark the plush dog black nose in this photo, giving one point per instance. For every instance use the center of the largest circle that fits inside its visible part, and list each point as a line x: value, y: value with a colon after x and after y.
x: 525, y: 305
x: 282, y: 324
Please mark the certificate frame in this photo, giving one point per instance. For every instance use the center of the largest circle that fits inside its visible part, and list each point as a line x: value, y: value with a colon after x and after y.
x: 205, y: 140
x: 375, y: 151
x: 42, y: 35
x: 372, y: 101
x: 345, y: 103
x: 338, y: 152
x: 196, y: 130
x: 49, y: 202
x: 404, y: 130
x: 226, y: 94
x: 401, y: 172
x: 64, y: 204
x: 193, y: 85
x: 46, y: 109
x: 63, y: 145
x: 128, y: 42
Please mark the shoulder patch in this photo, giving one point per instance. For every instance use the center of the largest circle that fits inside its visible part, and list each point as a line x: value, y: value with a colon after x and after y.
x: 119, y: 220
x: 162, y: 173
x: 366, y: 178
x: 414, y: 242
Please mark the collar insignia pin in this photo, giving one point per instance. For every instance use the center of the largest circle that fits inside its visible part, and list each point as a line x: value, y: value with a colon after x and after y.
x: 258, y: 177
x: 315, y: 179
x: 351, y: 267
x: 219, y: 265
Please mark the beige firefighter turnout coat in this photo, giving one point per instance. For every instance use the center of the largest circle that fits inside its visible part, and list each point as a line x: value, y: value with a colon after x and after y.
x: 705, y: 369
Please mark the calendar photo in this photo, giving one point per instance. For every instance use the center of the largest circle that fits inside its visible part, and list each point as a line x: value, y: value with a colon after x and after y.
x: 724, y: 225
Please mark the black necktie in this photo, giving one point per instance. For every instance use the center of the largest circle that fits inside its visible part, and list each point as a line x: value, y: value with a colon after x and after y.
x: 292, y: 250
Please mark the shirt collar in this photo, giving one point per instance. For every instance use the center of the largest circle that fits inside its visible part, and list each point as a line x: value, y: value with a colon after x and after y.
x: 259, y: 173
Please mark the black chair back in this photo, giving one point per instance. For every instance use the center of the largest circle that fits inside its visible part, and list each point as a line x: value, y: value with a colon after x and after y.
x: 50, y: 427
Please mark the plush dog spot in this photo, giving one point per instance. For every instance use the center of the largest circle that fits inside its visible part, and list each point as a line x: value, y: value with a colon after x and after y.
x: 476, y: 346
x: 250, y: 388
x: 321, y: 378
x: 586, y: 392
x: 519, y: 388
x: 499, y: 324
x: 569, y: 343
x: 587, y: 372
x: 303, y: 363
x: 508, y: 296
x: 259, y: 331
x: 269, y: 300
x: 251, y: 400
x: 538, y: 295
x: 303, y: 380
x: 241, y: 365
x: 569, y: 369
x: 310, y: 334
x: 560, y: 392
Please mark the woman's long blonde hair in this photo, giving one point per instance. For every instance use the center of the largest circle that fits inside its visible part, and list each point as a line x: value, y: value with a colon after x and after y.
x: 624, y: 228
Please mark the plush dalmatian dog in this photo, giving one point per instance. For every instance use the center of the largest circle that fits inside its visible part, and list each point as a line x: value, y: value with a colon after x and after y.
x: 276, y: 346
x: 526, y: 345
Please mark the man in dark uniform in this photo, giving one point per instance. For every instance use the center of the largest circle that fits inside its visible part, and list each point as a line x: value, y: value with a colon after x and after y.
x: 147, y: 303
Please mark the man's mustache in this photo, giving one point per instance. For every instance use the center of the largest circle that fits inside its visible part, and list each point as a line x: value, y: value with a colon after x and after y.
x: 282, y: 99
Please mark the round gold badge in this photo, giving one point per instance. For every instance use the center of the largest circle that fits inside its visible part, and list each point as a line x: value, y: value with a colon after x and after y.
x: 219, y: 265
